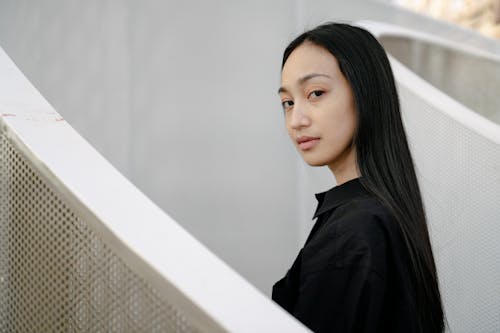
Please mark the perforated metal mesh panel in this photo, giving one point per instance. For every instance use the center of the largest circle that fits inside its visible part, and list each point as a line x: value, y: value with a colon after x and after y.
x: 459, y: 174
x: 56, y: 274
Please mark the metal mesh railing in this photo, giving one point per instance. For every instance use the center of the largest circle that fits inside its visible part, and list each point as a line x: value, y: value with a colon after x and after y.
x: 56, y: 274
x: 458, y: 171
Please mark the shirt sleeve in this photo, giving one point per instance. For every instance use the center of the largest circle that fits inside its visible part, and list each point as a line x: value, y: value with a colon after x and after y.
x: 343, y: 279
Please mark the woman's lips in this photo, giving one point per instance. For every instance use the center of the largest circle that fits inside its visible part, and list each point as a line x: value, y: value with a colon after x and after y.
x: 306, y: 143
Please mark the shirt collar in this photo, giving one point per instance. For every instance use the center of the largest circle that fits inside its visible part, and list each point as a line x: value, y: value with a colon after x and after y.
x: 338, y: 195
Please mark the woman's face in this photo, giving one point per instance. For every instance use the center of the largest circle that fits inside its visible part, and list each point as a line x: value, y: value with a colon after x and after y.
x: 319, y: 108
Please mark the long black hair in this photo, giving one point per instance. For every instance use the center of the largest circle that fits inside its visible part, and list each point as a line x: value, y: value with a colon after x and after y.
x: 382, y: 153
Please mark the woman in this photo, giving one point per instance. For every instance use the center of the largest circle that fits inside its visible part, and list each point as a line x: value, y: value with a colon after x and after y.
x: 367, y: 265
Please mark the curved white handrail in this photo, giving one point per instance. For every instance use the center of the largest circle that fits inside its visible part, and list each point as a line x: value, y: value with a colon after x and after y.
x: 177, y: 265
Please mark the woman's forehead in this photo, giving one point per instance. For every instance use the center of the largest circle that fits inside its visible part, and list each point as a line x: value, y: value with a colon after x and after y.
x: 308, y: 58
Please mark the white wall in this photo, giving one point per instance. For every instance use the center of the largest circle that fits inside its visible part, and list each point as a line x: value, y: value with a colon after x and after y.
x: 181, y: 97
x: 208, y: 139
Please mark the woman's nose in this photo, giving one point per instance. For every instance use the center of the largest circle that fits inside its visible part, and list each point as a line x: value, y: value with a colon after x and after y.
x: 299, y: 118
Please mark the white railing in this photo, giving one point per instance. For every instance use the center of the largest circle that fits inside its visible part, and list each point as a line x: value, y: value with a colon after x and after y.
x: 456, y: 150
x: 82, y: 249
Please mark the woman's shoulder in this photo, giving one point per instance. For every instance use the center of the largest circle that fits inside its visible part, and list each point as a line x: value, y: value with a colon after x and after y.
x: 359, y: 232
x: 364, y: 217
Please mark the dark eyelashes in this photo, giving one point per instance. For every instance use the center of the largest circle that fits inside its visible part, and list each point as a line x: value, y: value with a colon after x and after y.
x: 288, y: 103
x: 318, y: 92
x: 284, y: 106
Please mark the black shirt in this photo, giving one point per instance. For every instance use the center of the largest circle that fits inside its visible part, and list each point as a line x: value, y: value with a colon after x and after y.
x: 352, y: 275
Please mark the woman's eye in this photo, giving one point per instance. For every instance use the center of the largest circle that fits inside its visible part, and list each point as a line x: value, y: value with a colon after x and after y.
x: 286, y: 104
x: 316, y: 93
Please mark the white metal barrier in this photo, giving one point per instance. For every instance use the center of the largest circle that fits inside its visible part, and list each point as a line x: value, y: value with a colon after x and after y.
x: 81, y: 249
x: 451, y: 110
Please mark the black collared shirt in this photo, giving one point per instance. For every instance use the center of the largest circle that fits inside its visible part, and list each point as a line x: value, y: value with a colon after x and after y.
x: 352, y: 275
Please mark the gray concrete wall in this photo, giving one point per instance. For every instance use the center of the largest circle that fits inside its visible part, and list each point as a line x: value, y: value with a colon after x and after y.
x: 181, y: 97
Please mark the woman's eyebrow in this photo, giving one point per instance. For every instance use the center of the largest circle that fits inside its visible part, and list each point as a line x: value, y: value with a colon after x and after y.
x: 304, y: 79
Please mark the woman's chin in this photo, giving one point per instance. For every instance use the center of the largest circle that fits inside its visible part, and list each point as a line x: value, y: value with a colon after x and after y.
x: 314, y: 162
